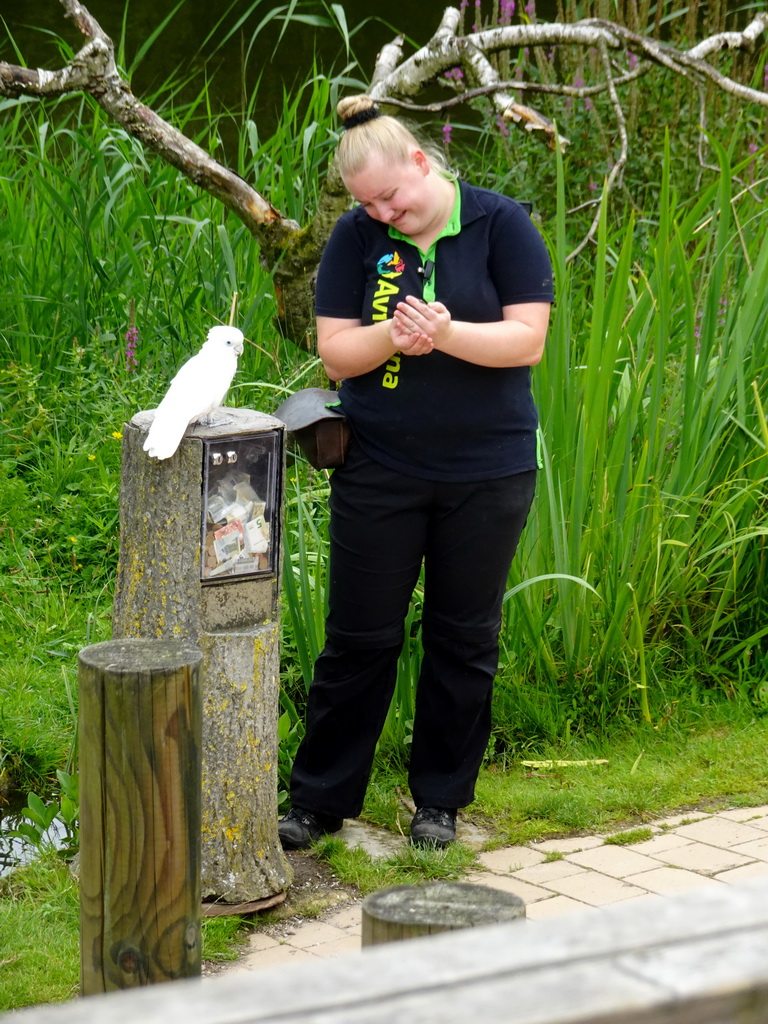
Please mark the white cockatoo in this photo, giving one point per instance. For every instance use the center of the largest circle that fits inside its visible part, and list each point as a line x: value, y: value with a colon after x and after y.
x: 196, y: 390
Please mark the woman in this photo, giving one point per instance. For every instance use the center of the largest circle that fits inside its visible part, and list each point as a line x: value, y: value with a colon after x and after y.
x: 433, y: 300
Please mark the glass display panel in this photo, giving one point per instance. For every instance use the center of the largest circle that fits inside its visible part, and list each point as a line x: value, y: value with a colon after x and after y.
x: 241, y: 506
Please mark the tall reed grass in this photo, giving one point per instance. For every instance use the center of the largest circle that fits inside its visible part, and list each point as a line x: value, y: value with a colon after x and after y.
x: 642, y: 567
x: 640, y: 580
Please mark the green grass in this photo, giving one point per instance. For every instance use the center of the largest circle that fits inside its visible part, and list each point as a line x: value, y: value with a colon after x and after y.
x: 650, y: 773
x: 633, y: 835
x: 410, y: 866
x: 222, y: 938
x: 39, y: 935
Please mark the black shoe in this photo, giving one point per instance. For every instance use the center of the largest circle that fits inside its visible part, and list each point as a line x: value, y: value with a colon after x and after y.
x: 433, y: 826
x: 300, y: 828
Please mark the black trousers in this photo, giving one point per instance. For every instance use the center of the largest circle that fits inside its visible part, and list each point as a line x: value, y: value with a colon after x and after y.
x: 383, y: 526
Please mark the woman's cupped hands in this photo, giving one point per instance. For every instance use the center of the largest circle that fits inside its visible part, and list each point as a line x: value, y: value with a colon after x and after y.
x: 418, y: 326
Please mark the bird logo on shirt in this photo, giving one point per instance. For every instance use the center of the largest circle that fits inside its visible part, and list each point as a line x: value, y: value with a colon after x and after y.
x: 390, y: 265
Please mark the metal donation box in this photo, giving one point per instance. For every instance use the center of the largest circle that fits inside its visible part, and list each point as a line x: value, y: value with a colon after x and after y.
x: 241, y: 513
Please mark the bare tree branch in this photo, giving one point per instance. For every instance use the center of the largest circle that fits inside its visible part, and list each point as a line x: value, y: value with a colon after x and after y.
x: 732, y: 40
x: 93, y: 70
x: 287, y: 250
x: 445, y: 52
x: 292, y: 253
x: 388, y: 59
x: 683, y: 62
x: 551, y: 89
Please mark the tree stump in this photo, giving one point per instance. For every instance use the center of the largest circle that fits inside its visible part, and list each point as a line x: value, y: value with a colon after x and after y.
x: 408, y: 911
x: 159, y: 593
x: 140, y: 740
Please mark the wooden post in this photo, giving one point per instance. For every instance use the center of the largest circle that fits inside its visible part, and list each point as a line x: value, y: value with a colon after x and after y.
x: 408, y: 911
x: 140, y: 766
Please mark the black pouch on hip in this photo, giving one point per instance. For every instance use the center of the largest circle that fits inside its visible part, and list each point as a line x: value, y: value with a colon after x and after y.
x: 321, y: 429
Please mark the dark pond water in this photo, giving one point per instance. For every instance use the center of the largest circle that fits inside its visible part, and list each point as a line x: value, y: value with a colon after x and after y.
x: 14, y: 852
x: 196, y: 39
x: 217, y: 39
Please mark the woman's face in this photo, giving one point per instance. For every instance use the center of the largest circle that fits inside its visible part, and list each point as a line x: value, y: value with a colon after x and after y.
x: 397, y: 194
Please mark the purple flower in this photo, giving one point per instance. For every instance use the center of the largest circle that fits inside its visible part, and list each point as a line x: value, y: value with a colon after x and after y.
x: 501, y: 124
x: 633, y: 60
x: 530, y: 7
x: 506, y: 10
x: 131, y: 337
x: 456, y: 74
x: 447, y: 129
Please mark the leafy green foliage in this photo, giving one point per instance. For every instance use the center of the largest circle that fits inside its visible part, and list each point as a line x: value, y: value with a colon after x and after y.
x: 38, y: 831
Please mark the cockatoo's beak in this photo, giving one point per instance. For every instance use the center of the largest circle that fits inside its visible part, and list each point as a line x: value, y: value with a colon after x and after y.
x: 239, y: 348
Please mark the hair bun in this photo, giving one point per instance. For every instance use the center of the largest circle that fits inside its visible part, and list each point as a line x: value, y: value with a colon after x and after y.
x: 356, y: 110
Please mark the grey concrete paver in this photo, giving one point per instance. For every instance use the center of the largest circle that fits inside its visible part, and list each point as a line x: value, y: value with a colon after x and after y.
x: 719, y: 831
x: 675, y: 820
x: 616, y: 861
x: 555, y: 906
x: 668, y: 881
x: 595, y: 889
x: 659, y: 844
x: 756, y: 848
x: 704, y: 858
x: 541, y: 874
x: 259, y: 941
x: 506, y: 883
x: 757, y: 869
x: 570, y: 845
x: 757, y: 816
x: 315, y: 933
x: 339, y: 947
x: 275, y: 956
x: 511, y: 858
x: 347, y: 918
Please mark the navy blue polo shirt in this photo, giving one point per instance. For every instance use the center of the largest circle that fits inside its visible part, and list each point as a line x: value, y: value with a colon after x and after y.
x: 436, y: 416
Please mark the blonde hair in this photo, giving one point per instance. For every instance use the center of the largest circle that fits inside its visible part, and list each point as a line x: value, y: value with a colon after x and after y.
x: 379, y: 135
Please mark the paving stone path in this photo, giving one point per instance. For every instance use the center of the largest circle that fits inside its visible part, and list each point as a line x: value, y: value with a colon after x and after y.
x: 554, y: 876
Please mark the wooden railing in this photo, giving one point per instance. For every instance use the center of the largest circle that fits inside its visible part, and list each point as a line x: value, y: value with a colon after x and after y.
x: 701, y: 958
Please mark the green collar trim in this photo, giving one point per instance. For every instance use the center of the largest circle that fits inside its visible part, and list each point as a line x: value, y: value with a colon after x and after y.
x: 453, y: 226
